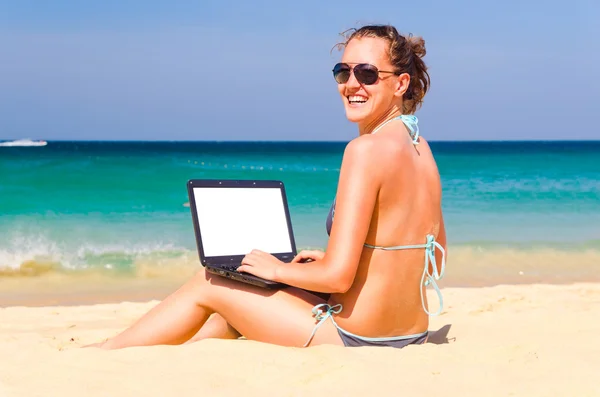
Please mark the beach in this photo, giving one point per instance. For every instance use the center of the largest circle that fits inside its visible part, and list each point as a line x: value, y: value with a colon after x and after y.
x: 87, y: 245
x: 506, y: 340
x: 111, y: 112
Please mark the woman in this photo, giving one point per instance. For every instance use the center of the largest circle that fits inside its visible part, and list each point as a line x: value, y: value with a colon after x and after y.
x: 384, y: 228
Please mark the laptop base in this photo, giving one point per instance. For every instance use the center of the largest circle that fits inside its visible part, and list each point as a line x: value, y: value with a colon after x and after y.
x: 245, y: 278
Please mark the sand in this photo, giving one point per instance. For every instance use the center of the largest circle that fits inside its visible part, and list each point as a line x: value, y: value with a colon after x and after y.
x: 509, y: 340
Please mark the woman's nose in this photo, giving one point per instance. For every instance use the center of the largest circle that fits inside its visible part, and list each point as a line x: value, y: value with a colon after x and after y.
x: 352, y: 82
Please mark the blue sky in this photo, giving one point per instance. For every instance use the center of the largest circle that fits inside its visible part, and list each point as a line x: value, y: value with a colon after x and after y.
x: 260, y: 70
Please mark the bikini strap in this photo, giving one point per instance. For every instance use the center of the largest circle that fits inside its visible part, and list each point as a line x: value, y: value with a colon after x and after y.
x: 410, y: 121
x: 321, y: 316
x: 427, y: 278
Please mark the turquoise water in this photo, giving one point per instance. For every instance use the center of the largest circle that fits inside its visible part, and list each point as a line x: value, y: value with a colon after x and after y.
x: 105, y: 205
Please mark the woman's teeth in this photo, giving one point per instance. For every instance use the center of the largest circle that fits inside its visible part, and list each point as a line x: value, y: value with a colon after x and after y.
x: 353, y: 99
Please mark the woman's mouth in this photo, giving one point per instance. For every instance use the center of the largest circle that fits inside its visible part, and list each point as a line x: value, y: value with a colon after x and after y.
x: 357, y: 100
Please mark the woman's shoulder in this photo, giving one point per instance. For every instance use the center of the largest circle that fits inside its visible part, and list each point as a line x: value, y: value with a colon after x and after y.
x: 362, y: 151
x: 378, y: 147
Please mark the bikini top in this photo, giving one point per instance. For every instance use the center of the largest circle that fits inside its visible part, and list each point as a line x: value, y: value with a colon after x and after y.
x: 428, y: 278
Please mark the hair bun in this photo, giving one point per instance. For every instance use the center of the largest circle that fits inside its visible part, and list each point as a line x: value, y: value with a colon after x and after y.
x: 417, y: 45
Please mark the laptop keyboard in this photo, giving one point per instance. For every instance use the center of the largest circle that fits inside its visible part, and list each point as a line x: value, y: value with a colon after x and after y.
x: 230, y: 268
x: 233, y: 268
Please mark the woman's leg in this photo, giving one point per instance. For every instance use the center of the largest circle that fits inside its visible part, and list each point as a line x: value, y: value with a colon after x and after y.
x: 215, y: 328
x: 280, y: 317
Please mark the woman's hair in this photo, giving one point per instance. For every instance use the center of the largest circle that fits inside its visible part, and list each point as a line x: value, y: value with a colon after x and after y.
x: 406, y: 53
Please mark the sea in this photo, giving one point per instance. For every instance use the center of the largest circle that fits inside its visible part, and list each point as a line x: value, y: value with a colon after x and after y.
x: 514, y: 211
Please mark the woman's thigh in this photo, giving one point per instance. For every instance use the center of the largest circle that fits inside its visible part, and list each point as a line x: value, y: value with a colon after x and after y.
x: 282, y: 317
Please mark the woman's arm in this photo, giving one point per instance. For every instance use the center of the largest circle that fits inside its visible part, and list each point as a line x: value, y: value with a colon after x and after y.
x: 357, y: 192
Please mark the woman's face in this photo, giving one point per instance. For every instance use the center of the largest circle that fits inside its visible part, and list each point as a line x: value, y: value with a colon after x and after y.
x: 366, y: 103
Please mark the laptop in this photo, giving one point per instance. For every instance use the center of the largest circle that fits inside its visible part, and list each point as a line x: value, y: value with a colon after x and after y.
x: 233, y: 217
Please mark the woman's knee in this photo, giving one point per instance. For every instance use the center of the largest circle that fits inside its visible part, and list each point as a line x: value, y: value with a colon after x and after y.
x: 203, y: 287
x: 201, y: 277
x: 195, y: 287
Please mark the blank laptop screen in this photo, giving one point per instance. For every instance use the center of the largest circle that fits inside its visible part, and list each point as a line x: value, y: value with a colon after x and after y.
x: 234, y: 221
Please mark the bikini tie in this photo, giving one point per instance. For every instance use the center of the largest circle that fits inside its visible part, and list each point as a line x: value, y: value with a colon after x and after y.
x: 331, y: 310
x: 321, y: 316
x: 410, y: 121
x: 430, y: 278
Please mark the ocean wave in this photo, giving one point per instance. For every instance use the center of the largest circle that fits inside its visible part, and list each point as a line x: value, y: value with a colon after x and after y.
x: 37, y: 255
x: 467, y: 264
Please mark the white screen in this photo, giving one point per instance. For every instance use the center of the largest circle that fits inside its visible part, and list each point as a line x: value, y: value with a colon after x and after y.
x: 234, y: 221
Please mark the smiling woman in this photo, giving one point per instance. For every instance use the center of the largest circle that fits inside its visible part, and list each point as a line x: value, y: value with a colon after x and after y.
x: 402, y: 68
x: 370, y: 282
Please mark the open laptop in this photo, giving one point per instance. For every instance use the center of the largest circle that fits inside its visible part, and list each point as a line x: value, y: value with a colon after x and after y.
x: 233, y: 217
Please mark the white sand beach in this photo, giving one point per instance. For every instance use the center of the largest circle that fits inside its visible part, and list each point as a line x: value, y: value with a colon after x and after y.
x: 509, y: 340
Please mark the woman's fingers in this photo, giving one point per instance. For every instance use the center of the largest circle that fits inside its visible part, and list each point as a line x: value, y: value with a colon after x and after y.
x: 249, y: 259
x: 298, y: 257
x: 308, y: 254
x: 254, y: 256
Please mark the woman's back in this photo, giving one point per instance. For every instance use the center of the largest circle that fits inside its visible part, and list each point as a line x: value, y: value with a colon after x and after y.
x: 385, y: 298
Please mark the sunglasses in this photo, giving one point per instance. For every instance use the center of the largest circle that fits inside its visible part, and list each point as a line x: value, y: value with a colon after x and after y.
x: 364, y: 73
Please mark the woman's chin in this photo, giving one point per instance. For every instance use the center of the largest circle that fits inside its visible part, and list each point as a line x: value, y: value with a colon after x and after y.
x: 355, y: 115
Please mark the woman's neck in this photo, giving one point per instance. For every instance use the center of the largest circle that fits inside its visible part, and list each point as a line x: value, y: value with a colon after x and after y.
x: 370, y: 126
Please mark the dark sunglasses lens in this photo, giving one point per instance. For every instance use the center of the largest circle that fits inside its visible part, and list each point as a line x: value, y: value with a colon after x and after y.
x: 341, y: 73
x: 366, y: 74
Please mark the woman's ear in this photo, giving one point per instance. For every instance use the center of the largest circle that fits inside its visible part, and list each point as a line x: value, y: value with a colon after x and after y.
x: 403, y: 84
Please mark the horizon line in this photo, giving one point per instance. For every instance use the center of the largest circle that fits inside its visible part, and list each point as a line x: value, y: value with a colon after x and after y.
x: 310, y: 141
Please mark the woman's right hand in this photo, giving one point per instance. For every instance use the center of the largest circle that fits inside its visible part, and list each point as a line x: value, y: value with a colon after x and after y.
x: 306, y: 255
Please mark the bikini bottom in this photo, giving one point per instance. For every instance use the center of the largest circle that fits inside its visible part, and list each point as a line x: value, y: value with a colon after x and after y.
x: 351, y: 340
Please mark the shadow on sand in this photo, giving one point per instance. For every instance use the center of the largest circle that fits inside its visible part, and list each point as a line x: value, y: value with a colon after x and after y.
x: 440, y: 336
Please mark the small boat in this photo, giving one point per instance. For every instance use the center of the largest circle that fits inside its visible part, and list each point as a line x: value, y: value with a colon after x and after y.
x: 24, y: 142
